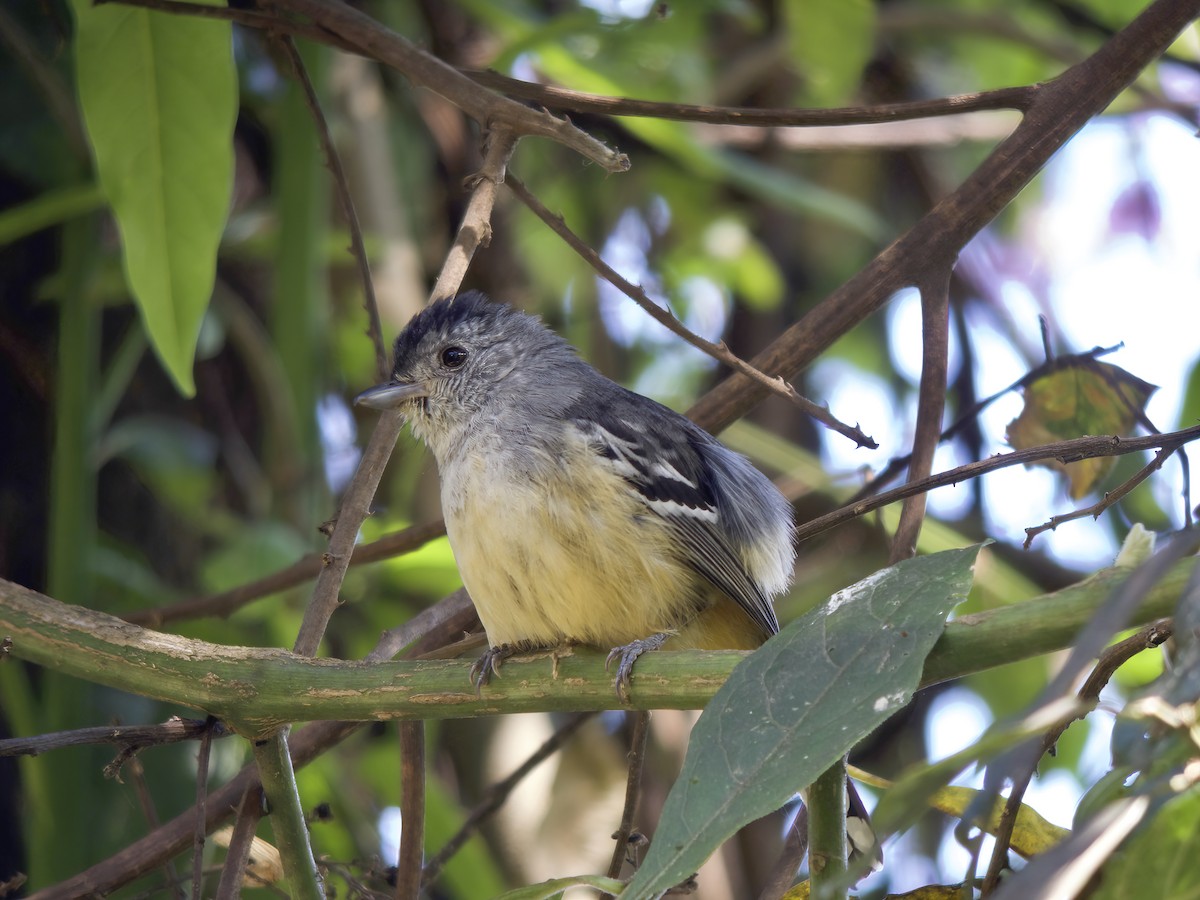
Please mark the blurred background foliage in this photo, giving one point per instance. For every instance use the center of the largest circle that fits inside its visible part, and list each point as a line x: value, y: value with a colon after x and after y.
x: 120, y: 494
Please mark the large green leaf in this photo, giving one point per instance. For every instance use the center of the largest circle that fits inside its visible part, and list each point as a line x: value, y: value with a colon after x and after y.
x: 798, y: 704
x: 159, y: 98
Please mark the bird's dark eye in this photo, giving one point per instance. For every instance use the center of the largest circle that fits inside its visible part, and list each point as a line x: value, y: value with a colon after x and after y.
x: 453, y: 357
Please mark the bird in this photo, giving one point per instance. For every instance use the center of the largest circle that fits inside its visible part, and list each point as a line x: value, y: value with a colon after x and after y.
x: 580, y: 512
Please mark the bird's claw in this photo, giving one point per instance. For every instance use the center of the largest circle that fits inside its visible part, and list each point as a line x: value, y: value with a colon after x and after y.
x: 489, y: 664
x: 628, y: 654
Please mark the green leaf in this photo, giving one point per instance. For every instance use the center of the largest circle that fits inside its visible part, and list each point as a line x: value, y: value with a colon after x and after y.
x: 799, y: 703
x: 831, y: 41
x: 159, y: 98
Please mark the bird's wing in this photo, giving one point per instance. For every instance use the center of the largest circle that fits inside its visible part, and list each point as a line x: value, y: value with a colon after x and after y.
x: 671, y: 477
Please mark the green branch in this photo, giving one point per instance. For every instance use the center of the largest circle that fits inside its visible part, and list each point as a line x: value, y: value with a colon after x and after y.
x: 260, y: 690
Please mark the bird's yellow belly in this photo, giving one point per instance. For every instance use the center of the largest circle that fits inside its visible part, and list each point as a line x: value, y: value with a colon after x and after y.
x: 582, y: 562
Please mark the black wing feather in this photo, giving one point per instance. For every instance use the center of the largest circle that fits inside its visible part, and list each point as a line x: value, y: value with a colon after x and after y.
x: 648, y: 464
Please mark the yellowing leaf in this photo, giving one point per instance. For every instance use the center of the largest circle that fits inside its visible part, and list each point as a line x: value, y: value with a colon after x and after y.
x: 1031, y: 835
x: 1090, y: 399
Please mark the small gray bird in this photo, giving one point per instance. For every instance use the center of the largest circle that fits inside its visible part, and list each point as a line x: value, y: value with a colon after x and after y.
x: 580, y: 512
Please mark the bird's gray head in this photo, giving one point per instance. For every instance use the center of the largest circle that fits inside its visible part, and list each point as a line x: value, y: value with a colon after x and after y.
x: 466, y: 362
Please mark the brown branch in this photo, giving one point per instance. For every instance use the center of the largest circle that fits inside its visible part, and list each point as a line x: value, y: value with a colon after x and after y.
x: 931, y: 402
x: 334, y: 163
x: 146, y: 801
x: 1107, y: 500
x: 1018, y: 98
x: 489, y: 109
x: 437, y: 625
x: 633, y: 785
x: 495, y: 796
x: 474, y: 231
x: 248, y: 17
x: 783, y: 872
x: 237, y: 854
x: 1059, y: 109
x: 718, y: 351
x: 335, y: 23
x: 412, y: 810
x: 1064, y: 451
x: 131, y: 739
x: 202, y: 759
x: 1089, y: 696
x: 304, y: 569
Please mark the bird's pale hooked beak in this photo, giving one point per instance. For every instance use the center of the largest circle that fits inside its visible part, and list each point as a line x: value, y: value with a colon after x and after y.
x: 390, y: 395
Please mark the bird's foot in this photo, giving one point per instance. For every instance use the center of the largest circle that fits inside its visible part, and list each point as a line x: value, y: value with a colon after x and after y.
x: 489, y: 664
x: 626, y: 655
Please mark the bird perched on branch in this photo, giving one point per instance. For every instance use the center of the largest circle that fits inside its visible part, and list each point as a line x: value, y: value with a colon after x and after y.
x: 578, y: 511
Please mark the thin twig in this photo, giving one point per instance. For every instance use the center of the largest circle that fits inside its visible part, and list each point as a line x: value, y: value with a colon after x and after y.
x: 342, y: 26
x: 1089, y: 695
x: 550, y: 97
x: 333, y: 162
x: 1110, y: 497
x: 931, y: 402
x: 202, y: 758
x: 1136, y: 410
x: 444, y: 622
x: 795, y: 845
x: 633, y: 786
x: 307, y: 567
x: 248, y: 17
x: 718, y: 351
x: 146, y: 802
x: 1018, y: 98
x: 1064, y: 451
x: 898, y: 464
x: 495, y: 796
x: 1089, y: 644
x: 489, y: 109
x: 412, y: 810
x: 130, y: 738
x: 474, y: 232
x: 237, y: 854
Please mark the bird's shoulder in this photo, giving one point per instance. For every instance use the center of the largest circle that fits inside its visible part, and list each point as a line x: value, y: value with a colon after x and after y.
x: 652, y: 447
